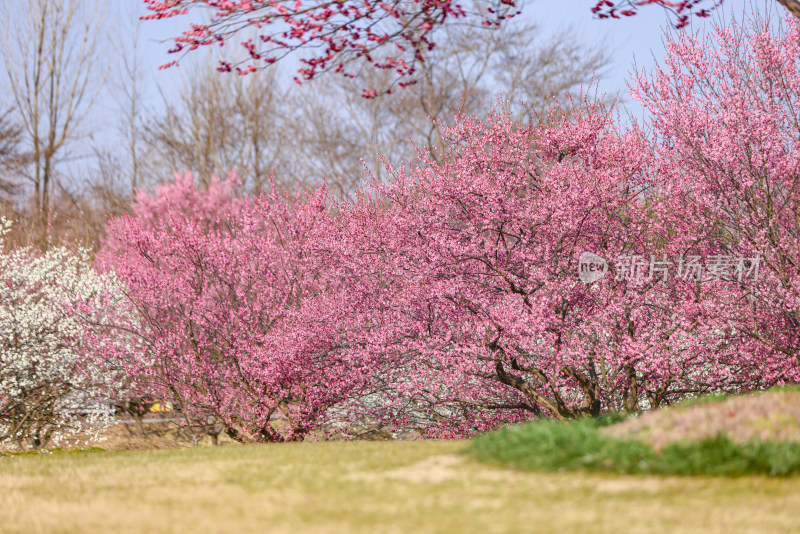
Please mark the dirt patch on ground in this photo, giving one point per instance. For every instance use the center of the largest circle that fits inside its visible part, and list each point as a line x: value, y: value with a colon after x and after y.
x: 436, y: 469
x: 629, y: 485
x: 433, y: 470
x: 771, y: 416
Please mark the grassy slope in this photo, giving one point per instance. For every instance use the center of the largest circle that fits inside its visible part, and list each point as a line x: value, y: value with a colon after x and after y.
x: 577, y: 445
x: 342, y: 487
x: 753, y: 434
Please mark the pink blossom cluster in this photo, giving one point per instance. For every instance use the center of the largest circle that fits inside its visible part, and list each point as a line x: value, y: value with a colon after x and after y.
x: 393, y: 36
x: 682, y: 10
x: 330, y: 35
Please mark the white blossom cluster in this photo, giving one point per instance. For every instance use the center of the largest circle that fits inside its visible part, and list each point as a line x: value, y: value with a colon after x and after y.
x: 54, y: 315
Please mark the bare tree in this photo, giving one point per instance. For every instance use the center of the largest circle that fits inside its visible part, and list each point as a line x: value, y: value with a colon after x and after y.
x: 10, y: 156
x: 50, y: 56
x: 220, y: 124
x: 337, y: 128
x: 120, y: 168
x: 327, y: 130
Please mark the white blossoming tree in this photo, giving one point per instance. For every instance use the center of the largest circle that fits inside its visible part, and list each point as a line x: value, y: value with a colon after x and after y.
x: 54, y: 312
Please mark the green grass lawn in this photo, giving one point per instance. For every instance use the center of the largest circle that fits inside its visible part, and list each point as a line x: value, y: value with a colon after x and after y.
x: 374, y: 487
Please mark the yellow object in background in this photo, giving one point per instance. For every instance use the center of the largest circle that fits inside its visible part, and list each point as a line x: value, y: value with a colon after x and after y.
x: 161, y: 407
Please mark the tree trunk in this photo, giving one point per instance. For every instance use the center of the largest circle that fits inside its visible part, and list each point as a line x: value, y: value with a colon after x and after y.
x: 793, y: 6
x: 631, y: 395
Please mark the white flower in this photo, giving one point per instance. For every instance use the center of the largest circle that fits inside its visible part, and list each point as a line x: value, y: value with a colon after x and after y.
x: 54, y: 308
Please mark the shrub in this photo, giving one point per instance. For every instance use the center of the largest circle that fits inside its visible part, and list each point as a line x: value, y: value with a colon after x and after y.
x: 54, y: 315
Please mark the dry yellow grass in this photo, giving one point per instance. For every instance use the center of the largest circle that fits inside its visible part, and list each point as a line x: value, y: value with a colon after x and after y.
x: 765, y: 416
x: 369, y: 487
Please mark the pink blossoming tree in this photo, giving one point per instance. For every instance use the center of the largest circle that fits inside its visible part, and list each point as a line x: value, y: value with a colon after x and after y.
x: 473, y: 266
x: 222, y: 295
x: 726, y: 136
